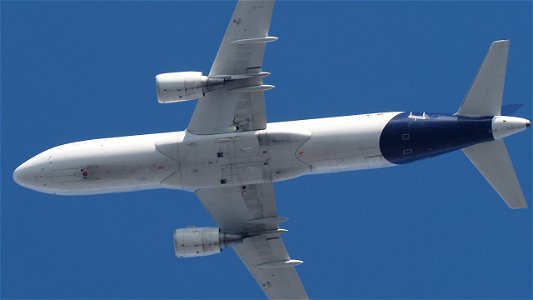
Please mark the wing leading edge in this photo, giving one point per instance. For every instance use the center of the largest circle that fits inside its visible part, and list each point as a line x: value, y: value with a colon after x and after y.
x: 239, y: 106
x: 251, y: 210
x: 248, y: 210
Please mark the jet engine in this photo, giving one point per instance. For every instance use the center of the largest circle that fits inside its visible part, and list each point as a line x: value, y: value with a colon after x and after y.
x: 184, y: 86
x: 202, y: 241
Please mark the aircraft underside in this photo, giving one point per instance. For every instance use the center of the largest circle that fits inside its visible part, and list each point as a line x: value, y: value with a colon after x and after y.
x: 229, y: 156
x: 282, y: 151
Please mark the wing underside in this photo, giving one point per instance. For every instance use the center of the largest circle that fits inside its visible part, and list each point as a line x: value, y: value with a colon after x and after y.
x: 251, y: 210
x: 239, y: 106
x: 248, y: 210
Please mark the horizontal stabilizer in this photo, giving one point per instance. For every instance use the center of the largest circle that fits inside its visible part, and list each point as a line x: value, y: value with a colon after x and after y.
x: 510, y: 109
x: 484, y: 98
x: 492, y: 160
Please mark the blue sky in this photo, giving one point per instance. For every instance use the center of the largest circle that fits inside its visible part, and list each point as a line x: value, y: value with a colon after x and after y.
x: 81, y: 70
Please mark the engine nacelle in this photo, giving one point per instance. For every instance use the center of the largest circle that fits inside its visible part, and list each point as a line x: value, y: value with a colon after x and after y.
x: 202, y: 241
x: 184, y: 86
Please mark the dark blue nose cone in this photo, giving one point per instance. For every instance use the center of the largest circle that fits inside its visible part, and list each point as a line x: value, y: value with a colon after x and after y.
x: 412, y: 136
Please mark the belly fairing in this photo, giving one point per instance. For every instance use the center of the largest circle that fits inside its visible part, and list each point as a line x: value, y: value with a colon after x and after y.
x: 242, y: 158
x: 413, y: 136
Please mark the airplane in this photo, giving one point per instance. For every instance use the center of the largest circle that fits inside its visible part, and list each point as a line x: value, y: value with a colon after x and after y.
x: 229, y: 156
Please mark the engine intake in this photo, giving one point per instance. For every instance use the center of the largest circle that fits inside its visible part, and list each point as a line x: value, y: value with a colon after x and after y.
x: 202, y: 241
x: 184, y: 86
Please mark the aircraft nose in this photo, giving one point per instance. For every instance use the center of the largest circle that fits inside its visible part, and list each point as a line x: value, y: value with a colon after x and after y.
x: 32, y: 173
x: 19, y: 175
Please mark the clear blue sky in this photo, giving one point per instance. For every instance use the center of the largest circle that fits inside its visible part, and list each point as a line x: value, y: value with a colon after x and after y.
x: 81, y: 70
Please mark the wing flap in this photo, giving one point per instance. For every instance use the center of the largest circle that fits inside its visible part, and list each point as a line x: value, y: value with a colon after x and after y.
x: 225, y: 111
x: 233, y: 207
x: 240, y: 105
x: 251, y: 210
x: 277, y: 282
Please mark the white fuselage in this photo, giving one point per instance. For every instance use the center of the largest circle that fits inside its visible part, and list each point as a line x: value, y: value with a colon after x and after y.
x: 181, y: 160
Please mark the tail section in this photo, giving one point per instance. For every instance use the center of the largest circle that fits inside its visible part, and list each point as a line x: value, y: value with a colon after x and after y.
x: 510, y: 109
x: 484, y: 98
x: 492, y: 160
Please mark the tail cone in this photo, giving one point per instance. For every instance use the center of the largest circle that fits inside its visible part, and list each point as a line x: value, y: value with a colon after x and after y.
x: 506, y: 126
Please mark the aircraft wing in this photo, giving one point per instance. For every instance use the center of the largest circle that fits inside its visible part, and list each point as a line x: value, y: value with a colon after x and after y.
x: 240, y: 105
x: 251, y: 210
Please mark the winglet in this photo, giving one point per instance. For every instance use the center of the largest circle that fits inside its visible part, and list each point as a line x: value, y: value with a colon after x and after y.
x: 484, y: 98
